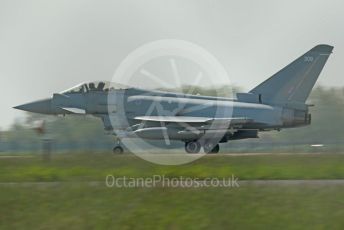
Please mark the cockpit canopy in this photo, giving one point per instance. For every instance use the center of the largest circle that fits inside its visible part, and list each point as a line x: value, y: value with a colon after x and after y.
x: 97, y: 86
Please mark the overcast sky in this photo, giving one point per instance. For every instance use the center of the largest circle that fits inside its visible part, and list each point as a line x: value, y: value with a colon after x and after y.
x: 48, y: 46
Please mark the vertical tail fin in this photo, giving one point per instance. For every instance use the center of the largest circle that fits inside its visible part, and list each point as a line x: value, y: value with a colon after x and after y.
x: 294, y: 82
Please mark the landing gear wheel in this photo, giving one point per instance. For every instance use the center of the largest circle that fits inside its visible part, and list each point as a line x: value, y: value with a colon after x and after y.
x: 118, y: 150
x: 211, y: 148
x: 216, y: 149
x: 192, y: 147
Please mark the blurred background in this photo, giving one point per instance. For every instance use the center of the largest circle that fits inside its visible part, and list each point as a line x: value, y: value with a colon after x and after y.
x: 48, y: 47
x: 292, y: 179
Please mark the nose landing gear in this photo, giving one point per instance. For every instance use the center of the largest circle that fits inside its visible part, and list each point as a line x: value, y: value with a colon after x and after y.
x: 118, y: 149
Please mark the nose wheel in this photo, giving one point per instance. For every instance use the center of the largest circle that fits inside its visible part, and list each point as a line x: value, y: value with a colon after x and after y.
x: 118, y: 150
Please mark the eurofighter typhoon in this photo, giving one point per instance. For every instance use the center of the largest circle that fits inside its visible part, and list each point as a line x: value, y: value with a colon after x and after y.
x: 199, y: 121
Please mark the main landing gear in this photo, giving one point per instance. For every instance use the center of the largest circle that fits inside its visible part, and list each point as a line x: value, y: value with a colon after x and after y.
x: 195, y: 147
x: 210, y: 147
x: 192, y: 147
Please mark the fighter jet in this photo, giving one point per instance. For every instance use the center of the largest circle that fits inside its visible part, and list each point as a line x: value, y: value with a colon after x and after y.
x: 199, y: 121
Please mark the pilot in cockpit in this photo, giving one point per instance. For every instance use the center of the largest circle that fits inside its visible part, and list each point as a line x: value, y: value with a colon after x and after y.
x: 91, y: 86
x: 101, y: 86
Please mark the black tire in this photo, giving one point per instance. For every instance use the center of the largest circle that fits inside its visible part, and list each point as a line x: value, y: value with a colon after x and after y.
x: 210, y: 148
x: 192, y: 147
x: 216, y: 149
x: 118, y: 150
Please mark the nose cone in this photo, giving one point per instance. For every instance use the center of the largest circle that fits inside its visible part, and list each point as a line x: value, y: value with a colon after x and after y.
x: 41, y: 106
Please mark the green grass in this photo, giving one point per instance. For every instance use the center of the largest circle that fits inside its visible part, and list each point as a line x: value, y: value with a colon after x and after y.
x: 95, y: 166
x: 77, y: 206
x: 73, y: 204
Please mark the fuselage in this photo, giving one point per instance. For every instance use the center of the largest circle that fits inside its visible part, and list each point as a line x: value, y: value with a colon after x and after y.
x: 278, y: 102
x: 126, y: 104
